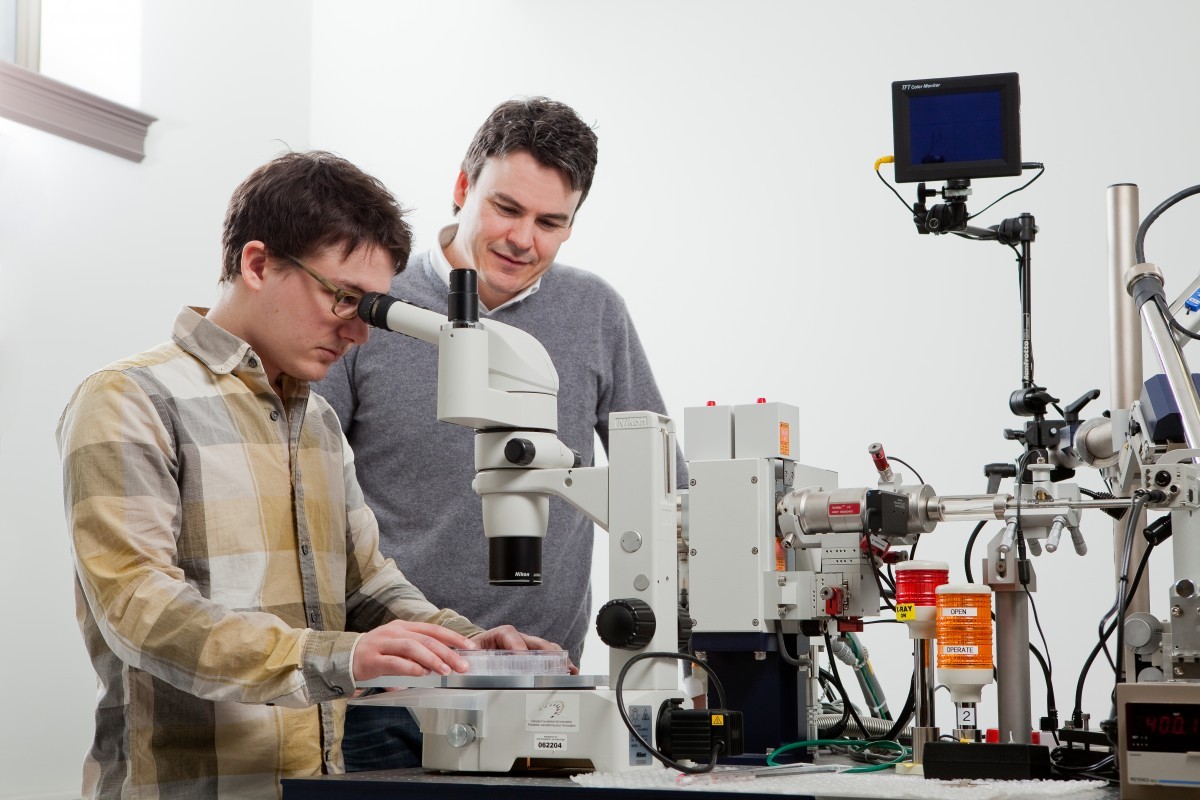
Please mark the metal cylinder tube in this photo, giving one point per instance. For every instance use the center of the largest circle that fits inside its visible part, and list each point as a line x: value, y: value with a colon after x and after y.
x: 1124, y: 347
x: 1012, y: 667
x: 924, y: 719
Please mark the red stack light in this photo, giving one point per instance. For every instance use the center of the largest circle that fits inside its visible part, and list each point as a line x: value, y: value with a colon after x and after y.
x: 919, y: 586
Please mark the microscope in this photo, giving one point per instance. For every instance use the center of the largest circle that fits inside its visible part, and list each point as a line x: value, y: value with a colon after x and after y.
x: 499, y: 381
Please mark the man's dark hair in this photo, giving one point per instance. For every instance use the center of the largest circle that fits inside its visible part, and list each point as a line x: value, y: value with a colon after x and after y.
x: 302, y: 202
x: 549, y: 131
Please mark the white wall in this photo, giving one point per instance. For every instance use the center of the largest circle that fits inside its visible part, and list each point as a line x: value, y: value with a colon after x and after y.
x: 734, y: 207
x: 97, y: 254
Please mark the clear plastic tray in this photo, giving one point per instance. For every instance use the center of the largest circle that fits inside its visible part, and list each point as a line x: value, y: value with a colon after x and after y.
x: 517, y: 662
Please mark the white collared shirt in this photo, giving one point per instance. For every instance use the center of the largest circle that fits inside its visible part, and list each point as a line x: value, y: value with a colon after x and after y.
x: 441, y: 267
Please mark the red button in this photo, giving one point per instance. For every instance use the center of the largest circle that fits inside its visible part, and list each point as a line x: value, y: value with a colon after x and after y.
x: 761, y: 400
x: 992, y: 736
x: 711, y: 403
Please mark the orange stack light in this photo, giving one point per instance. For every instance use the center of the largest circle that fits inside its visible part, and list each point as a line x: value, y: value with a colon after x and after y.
x: 964, y: 632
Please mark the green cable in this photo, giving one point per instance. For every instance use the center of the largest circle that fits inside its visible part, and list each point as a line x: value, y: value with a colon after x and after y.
x: 857, y: 744
x: 863, y: 668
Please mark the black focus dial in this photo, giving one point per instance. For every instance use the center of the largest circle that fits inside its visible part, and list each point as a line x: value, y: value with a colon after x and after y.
x: 626, y: 624
x: 520, y: 452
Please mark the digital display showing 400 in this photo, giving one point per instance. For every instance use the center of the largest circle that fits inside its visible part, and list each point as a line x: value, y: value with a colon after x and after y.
x: 1162, y: 728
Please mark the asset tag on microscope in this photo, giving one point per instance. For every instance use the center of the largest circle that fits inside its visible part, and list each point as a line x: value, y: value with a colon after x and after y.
x: 552, y: 712
x: 550, y: 743
x: 906, y: 611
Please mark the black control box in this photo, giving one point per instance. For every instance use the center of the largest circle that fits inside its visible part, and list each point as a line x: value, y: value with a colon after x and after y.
x: 1012, y: 762
x: 887, y: 513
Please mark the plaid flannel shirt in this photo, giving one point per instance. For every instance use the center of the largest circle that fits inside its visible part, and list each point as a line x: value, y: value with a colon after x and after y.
x: 224, y: 557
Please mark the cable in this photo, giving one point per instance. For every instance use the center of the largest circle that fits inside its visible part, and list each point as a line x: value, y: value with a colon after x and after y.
x: 970, y: 546
x: 910, y: 466
x: 1166, y: 310
x: 1139, y: 502
x: 869, y: 683
x: 787, y: 657
x: 858, y: 744
x: 837, y: 679
x: 912, y: 552
x: 883, y: 592
x: 1140, y: 242
x: 1103, y: 635
x: 890, y: 160
x: 839, y: 727
x: 906, y: 713
x: 716, y: 682
x: 1041, y: 168
x: 1047, y: 664
x: 1077, y: 712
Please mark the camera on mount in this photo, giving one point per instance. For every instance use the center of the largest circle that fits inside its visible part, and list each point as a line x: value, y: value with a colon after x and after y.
x: 954, y: 130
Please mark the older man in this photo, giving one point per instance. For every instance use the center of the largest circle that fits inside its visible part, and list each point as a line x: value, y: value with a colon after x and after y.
x: 525, y: 175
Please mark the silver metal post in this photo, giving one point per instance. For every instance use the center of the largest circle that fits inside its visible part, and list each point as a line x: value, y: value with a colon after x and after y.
x: 1012, y: 666
x: 924, y: 723
x: 1124, y: 353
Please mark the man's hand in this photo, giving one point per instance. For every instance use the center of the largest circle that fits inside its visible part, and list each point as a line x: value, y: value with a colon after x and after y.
x: 506, y: 637
x: 411, y: 648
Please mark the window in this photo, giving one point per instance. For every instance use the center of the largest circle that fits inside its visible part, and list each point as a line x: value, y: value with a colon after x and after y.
x: 54, y: 106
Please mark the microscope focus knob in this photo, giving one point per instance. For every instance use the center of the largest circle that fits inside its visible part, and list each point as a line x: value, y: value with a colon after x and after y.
x: 520, y: 452
x: 626, y: 624
x: 460, y: 734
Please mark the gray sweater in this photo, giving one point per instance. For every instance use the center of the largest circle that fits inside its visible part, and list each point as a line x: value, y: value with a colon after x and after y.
x: 416, y: 472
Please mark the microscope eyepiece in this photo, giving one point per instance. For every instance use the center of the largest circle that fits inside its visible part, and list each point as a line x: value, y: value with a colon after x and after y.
x: 462, y: 303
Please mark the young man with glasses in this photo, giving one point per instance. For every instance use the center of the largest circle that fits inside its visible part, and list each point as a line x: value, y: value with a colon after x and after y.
x: 229, y: 582
x: 525, y: 175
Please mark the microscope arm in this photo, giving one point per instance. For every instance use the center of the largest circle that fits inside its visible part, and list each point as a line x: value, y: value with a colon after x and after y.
x: 490, y: 375
x: 500, y: 381
x: 586, y: 489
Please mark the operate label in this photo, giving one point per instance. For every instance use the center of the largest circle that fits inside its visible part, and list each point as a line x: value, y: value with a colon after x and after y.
x: 844, y: 509
x: 906, y: 611
x: 957, y: 611
x: 549, y: 743
x: 960, y: 650
x: 785, y: 439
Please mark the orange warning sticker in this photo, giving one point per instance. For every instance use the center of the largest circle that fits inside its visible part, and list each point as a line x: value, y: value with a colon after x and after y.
x: 785, y: 439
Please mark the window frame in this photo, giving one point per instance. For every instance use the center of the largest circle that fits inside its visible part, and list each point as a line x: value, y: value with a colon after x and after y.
x: 28, y: 97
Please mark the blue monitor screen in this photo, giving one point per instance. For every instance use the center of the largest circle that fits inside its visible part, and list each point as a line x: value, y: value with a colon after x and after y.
x: 953, y: 128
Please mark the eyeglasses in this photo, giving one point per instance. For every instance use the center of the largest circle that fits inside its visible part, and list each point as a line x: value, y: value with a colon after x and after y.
x: 345, y: 304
